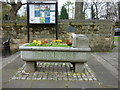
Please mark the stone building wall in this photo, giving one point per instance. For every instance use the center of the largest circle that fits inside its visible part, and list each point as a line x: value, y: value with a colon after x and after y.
x: 100, y: 33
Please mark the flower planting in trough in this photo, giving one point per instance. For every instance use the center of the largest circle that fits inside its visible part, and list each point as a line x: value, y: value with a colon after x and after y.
x: 77, y: 52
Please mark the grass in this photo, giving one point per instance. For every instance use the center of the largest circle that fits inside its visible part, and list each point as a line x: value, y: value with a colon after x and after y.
x: 117, y: 39
x: 59, y: 45
x: 49, y: 45
x: 114, y: 46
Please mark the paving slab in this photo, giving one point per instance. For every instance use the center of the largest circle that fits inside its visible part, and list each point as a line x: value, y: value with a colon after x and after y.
x: 104, y: 76
x: 10, y: 69
x: 48, y: 84
x: 110, y: 57
x: 83, y: 84
x: 18, y: 84
x: 105, y: 64
x: 9, y: 59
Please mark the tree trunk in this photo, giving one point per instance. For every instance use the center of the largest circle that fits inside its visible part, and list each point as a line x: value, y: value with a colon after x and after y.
x: 107, y: 11
x: 119, y: 10
x: 119, y: 14
x: 14, y: 10
x: 92, y: 12
x: 96, y: 8
x: 79, y: 10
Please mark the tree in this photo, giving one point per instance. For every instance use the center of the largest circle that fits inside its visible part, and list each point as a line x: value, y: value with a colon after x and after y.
x: 73, y: 8
x: 5, y: 11
x: 24, y: 16
x: 102, y: 10
x: 0, y: 11
x: 119, y: 10
x: 63, y: 13
x: 68, y: 4
x: 86, y: 8
x: 14, y: 8
x: 96, y: 9
x: 58, y: 15
x: 92, y: 12
x: 109, y: 10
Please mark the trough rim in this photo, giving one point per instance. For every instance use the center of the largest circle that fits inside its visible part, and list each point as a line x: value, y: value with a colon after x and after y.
x: 38, y: 48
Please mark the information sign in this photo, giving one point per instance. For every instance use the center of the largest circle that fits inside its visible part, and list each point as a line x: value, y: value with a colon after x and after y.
x: 42, y: 13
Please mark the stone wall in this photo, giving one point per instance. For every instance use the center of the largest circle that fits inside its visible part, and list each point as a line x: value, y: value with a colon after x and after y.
x: 99, y: 32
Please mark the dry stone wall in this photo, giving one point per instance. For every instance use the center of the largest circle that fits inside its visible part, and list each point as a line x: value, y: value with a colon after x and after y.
x: 100, y: 33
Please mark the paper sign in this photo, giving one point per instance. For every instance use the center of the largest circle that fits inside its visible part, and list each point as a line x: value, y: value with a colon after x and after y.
x: 42, y: 13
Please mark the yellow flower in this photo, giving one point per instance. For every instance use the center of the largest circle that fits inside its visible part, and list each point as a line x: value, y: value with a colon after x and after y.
x: 57, y: 40
x: 54, y: 40
x: 39, y: 42
x: 34, y: 41
x: 60, y: 40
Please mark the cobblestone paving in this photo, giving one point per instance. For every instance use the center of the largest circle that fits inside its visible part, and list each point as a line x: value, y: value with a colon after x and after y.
x: 55, y: 71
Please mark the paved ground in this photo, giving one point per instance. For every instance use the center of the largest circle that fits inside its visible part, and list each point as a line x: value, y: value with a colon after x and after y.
x: 104, y: 66
x: 55, y: 71
x: 109, y: 59
x: 6, y: 61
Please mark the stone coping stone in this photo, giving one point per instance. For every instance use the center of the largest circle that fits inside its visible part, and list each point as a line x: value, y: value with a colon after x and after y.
x: 32, y: 48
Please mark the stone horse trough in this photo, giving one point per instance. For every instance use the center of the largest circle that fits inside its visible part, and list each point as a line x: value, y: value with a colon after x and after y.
x: 76, y: 55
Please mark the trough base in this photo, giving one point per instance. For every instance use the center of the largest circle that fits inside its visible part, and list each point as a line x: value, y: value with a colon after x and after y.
x: 31, y: 67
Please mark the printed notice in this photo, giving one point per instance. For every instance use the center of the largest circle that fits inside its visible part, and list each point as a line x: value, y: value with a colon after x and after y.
x: 31, y: 14
x: 52, y: 7
x: 42, y: 13
x: 52, y: 17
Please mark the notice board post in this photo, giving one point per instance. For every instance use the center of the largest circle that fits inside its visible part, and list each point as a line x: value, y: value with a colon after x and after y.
x: 56, y: 21
x: 43, y: 13
x: 28, y: 35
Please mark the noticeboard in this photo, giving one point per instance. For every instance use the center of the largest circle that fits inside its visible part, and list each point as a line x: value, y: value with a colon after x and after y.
x: 42, y: 13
